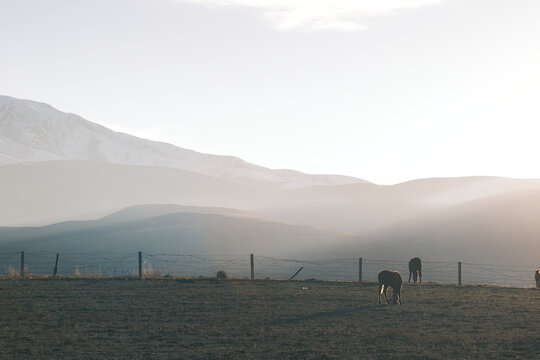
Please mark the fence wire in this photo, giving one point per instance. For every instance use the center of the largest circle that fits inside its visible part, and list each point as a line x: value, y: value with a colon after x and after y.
x: 239, y: 266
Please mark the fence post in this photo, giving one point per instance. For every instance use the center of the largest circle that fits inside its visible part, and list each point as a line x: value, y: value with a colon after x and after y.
x: 296, y: 273
x: 22, y: 263
x: 252, y: 267
x: 140, y: 264
x: 359, y: 269
x: 459, y: 273
x: 55, y: 266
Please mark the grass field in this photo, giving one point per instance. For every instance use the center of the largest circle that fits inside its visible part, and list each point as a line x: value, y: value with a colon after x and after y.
x: 262, y: 319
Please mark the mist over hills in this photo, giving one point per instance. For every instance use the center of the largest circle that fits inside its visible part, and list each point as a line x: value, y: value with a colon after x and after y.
x: 364, y: 208
x: 48, y: 192
x: 57, y: 169
x: 501, y: 229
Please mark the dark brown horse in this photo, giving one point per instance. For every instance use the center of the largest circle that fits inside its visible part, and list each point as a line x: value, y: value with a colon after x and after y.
x: 395, y: 281
x: 415, y: 269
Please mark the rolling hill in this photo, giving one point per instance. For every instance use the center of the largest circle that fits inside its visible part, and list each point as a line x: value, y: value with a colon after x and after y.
x: 501, y: 229
x: 173, y: 229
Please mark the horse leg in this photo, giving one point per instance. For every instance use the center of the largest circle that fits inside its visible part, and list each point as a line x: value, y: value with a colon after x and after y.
x: 380, y: 291
x: 420, y: 274
x: 410, y: 273
x: 385, y: 296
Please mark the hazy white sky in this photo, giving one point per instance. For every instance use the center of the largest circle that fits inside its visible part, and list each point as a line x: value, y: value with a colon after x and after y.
x: 385, y: 90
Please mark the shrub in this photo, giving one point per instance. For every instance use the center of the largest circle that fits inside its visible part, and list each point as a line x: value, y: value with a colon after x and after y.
x: 221, y: 275
x: 149, y: 270
x: 12, y: 272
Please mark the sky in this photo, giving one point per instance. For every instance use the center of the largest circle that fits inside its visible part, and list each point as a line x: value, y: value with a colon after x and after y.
x: 384, y: 90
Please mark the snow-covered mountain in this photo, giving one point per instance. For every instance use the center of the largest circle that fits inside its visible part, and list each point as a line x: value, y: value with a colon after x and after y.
x: 31, y: 131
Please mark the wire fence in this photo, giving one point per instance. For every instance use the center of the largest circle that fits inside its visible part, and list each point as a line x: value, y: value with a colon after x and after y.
x: 239, y: 266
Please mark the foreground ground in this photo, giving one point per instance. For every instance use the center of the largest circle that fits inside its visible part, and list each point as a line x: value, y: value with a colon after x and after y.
x: 262, y: 319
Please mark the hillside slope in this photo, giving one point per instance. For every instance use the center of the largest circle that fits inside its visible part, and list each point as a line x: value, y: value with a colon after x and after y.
x: 502, y: 229
x: 171, y: 229
x: 49, y: 192
x: 33, y: 131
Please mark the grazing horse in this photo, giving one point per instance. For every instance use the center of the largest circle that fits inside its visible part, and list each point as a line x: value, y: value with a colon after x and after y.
x: 395, y: 281
x: 415, y: 269
x: 537, y: 278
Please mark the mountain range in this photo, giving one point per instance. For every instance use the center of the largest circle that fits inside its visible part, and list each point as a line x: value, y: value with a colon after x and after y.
x: 31, y: 131
x: 68, y: 183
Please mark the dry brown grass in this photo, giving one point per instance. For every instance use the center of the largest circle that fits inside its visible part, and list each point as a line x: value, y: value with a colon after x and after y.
x: 170, y: 318
x: 12, y: 273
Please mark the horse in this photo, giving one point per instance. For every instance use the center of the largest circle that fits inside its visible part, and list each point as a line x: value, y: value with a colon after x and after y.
x: 395, y: 281
x: 415, y: 269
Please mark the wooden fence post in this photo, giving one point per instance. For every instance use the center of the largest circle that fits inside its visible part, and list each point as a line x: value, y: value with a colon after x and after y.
x: 140, y: 264
x: 55, y: 266
x: 459, y: 273
x: 296, y: 273
x: 359, y: 269
x: 252, y: 267
x: 22, y: 263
